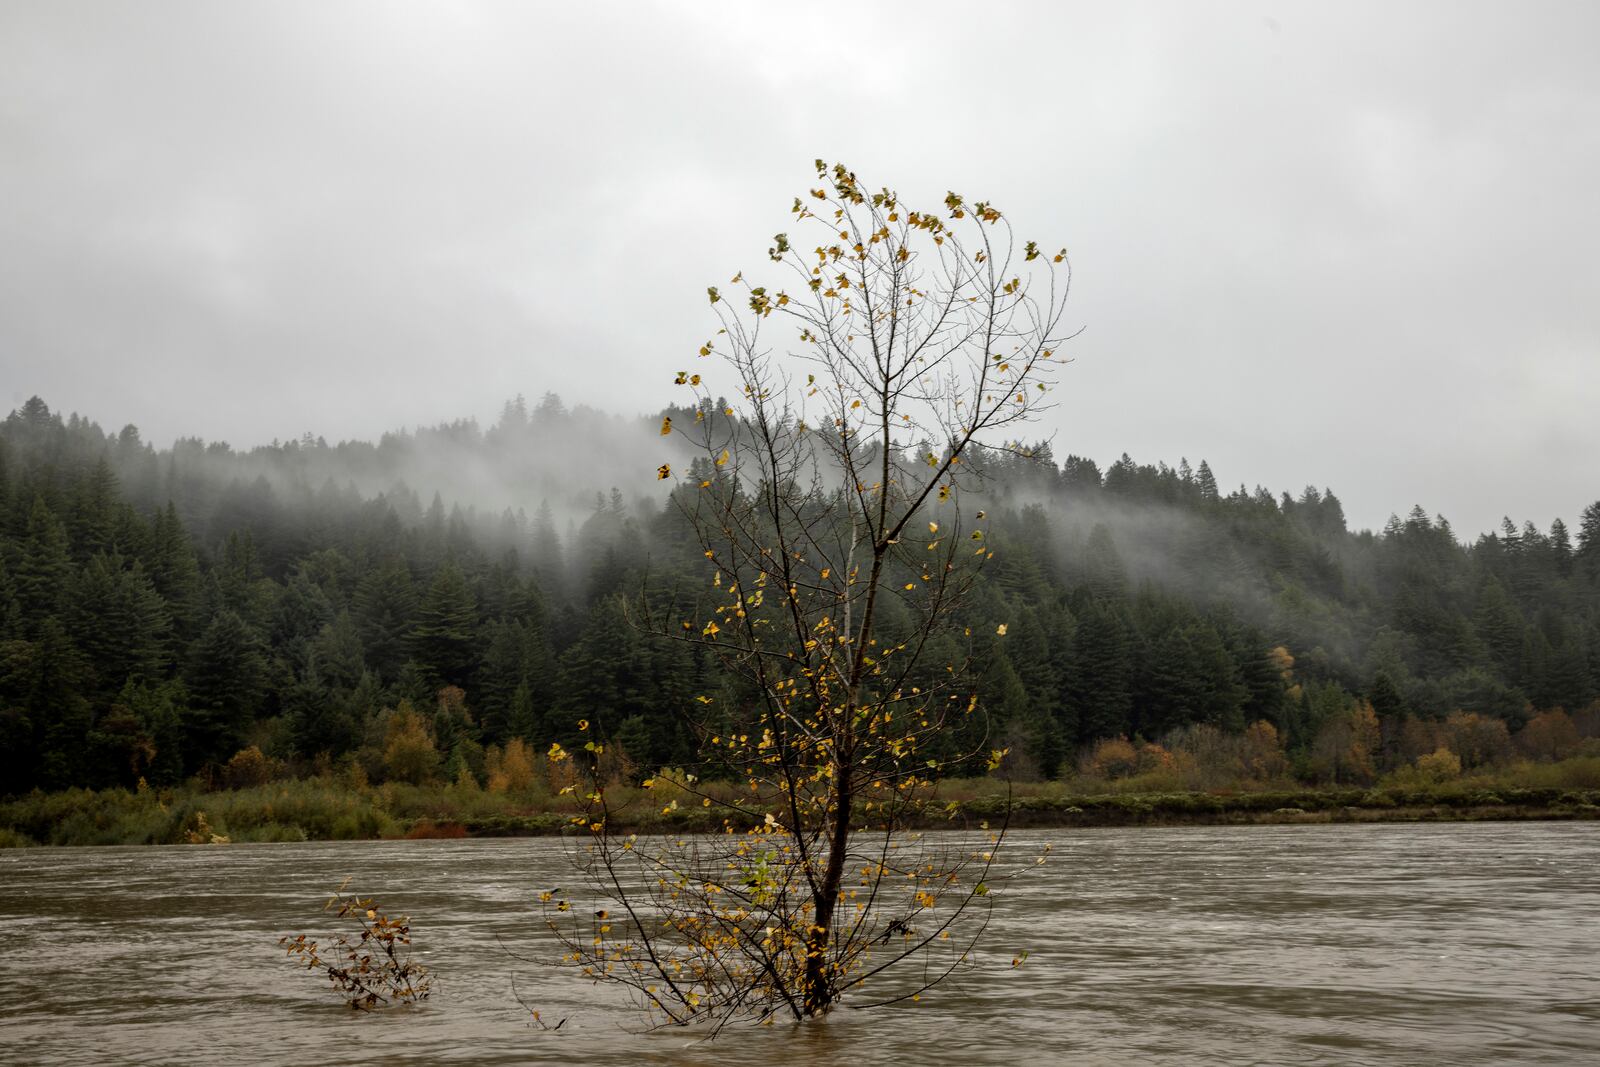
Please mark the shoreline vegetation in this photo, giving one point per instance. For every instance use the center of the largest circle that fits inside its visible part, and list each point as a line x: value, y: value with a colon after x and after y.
x: 293, y: 642
x: 332, y: 807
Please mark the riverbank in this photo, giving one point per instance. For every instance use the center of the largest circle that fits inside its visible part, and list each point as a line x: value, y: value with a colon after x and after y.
x: 330, y: 809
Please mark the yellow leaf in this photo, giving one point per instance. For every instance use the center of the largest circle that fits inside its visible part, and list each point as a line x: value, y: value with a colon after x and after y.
x: 666, y: 426
x: 722, y: 459
x: 1001, y: 629
x: 663, y: 472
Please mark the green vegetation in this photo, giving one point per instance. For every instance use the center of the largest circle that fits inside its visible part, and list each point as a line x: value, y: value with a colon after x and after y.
x: 164, y: 613
x: 335, y: 808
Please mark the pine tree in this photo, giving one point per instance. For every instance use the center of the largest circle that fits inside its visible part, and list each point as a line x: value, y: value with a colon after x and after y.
x: 228, y: 681
x: 1028, y: 650
x: 523, y: 720
x: 43, y: 569
x: 1261, y: 677
x: 1168, y: 692
x: 340, y: 659
x: 1014, y: 719
x: 119, y: 621
x: 385, y: 607
x: 1099, y: 689
x: 299, y: 614
x: 1499, y: 626
x: 238, y: 580
x: 175, y: 572
x: 1567, y: 681
x: 502, y: 672
x: 319, y: 721
x: 1106, y: 576
x: 444, y: 637
x: 92, y: 520
x: 1561, y: 548
x: 1588, y: 554
x: 56, y: 706
x: 548, y: 555
x: 10, y: 610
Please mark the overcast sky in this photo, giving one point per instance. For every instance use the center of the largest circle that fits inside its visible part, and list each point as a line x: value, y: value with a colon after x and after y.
x: 1346, y: 244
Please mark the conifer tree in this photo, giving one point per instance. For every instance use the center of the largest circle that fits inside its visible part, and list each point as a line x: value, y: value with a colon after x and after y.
x: 42, y: 569
x: 444, y: 636
x: 119, y: 621
x: 92, y: 520
x: 227, y: 679
x: 56, y: 706
x: 1588, y: 554
x: 385, y: 607
x: 1099, y: 689
x: 175, y: 571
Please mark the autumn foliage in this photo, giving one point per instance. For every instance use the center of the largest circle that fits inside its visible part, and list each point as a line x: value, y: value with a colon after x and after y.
x: 376, y: 968
x: 828, y: 502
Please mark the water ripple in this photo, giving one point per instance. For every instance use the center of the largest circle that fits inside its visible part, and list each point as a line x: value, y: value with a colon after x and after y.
x: 1271, y: 945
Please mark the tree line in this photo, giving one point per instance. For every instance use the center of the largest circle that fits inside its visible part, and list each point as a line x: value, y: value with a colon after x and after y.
x: 162, y: 610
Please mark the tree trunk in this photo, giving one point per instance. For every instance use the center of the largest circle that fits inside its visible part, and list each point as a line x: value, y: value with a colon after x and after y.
x: 819, y: 992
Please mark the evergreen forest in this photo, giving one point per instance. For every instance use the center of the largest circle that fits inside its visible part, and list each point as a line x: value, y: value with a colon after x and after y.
x: 406, y: 609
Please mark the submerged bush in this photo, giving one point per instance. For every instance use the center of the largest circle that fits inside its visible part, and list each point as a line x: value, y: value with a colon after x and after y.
x: 373, y: 970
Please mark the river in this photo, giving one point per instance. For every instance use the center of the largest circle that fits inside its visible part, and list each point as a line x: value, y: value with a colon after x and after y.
x: 1318, y: 944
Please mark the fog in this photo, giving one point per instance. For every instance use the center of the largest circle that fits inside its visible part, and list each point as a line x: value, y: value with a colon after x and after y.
x: 1347, y: 245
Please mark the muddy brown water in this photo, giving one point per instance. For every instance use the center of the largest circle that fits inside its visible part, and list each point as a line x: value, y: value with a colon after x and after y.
x: 1400, y: 944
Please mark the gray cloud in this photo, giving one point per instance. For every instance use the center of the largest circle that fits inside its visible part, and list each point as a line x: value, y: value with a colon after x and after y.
x: 1342, y: 244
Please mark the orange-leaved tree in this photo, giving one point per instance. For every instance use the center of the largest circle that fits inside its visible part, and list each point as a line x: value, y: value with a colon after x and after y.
x: 827, y: 499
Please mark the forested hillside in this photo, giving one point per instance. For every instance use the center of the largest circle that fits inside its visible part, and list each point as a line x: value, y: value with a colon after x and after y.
x: 410, y: 606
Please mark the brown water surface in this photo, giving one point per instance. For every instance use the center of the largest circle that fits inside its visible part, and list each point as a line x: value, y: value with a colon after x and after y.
x: 1401, y: 944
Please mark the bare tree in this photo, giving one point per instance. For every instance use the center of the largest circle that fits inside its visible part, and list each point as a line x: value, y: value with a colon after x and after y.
x: 828, y: 505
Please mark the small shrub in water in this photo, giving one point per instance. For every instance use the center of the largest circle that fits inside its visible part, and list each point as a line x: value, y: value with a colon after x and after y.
x: 374, y: 969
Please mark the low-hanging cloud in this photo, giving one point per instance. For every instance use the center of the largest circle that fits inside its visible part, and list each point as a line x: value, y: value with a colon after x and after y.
x: 1311, y: 245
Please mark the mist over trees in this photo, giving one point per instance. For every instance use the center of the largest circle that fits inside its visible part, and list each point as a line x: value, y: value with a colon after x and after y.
x: 412, y: 605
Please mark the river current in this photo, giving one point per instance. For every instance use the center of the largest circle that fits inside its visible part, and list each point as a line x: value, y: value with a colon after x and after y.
x: 1321, y: 944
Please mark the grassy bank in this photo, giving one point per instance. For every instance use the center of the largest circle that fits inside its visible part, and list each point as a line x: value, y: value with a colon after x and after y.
x: 331, y: 809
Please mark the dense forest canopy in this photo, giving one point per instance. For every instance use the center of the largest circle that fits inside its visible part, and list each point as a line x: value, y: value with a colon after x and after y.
x: 411, y: 606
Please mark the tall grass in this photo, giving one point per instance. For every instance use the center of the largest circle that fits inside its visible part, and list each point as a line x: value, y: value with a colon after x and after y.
x: 334, y: 808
